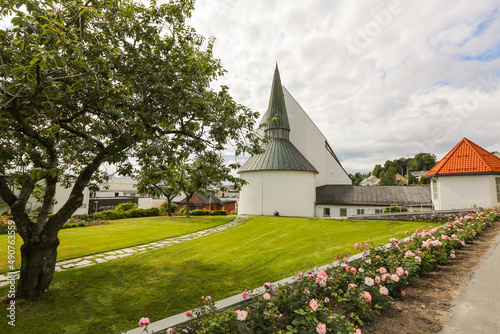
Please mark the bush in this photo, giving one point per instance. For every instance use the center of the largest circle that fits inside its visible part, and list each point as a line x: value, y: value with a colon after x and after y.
x: 395, y: 208
x: 234, y: 212
x: 152, y: 212
x: 110, y: 215
x: 83, y: 216
x: 135, y: 213
x: 219, y: 213
x: 164, y: 208
x: 202, y: 212
x: 126, y: 206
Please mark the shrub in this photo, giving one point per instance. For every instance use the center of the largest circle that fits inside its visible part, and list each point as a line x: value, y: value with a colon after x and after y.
x: 202, y: 212
x: 82, y: 224
x: 83, y: 216
x: 395, y: 208
x: 164, y: 208
x: 234, y: 212
x: 135, y: 213
x: 110, y: 215
x: 219, y: 213
x: 151, y: 212
x: 126, y: 206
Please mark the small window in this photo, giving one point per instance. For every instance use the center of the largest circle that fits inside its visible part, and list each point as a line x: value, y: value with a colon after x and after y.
x: 117, y: 194
x: 343, y: 212
x: 360, y: 211
x: 498, y: 188
x: 326, y: 212
x: 378, y: 210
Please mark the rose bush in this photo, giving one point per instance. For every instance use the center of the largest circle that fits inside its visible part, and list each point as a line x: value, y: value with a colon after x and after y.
x: 341, y: 298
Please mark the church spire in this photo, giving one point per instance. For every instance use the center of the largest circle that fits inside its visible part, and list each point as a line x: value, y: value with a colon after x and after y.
x: 276, y: 113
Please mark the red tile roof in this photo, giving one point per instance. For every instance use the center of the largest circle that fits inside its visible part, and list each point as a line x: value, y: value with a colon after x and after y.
x: 466, y: 158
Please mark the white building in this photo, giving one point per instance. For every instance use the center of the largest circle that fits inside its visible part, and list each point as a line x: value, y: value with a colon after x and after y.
x: 300, y: 175
x: 467, y: 177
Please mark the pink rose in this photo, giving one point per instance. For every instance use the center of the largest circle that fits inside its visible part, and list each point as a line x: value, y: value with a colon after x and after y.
x: 351, y: 286
x: 245, y: 294
x: 382, y: 270
x: 369, y: 281
x: 327, y: 300
x: 353, y: 270
x: 207, y: 299
x: 313, y: 304
x: 358, y: 331
x: 395, y: 277
x: 403, y: 293
x: 242, y: 315
x: 384, y: 291
x: 144, y: 322
x: 356, y: 245
x: 377, y: 279
x: 170, y: 331
x: 400, y: 271
x: 266, y: 296
x: 368, y: 297
x: 321, y: 328
x: 189, y: 313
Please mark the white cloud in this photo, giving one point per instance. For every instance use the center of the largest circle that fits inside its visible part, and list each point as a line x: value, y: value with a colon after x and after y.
x: 382, y: 79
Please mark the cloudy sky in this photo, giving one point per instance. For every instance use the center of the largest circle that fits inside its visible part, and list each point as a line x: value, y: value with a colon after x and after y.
x: 381, y: 79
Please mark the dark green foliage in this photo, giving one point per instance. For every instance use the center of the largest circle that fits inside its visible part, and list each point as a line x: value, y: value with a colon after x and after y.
x: 164, y: 208
x: 110, y: 215
x: 202, y: 212
x: 126, y: 206
x: 219, y: 213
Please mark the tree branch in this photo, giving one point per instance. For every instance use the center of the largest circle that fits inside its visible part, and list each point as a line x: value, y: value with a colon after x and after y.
x: 67, y: 77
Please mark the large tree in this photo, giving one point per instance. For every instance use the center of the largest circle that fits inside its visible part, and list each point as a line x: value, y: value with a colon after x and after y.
x: 86, y: 82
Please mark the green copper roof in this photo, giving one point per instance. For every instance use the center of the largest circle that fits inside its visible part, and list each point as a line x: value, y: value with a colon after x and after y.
x: 277, y: 105
x: 280, y: 154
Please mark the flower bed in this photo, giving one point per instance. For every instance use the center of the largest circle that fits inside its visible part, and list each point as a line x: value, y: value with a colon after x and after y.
x: 342, y: 298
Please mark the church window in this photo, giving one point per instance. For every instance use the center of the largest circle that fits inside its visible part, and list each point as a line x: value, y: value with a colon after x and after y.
x: 361, y: 211
x: 343, y: 212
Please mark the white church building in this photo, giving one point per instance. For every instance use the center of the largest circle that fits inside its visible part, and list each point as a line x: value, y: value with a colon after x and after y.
x: 300, y: 175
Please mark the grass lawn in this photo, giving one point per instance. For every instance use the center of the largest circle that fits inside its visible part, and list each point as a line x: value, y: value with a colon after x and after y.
x: 171, y: 280
x: 82, y: 241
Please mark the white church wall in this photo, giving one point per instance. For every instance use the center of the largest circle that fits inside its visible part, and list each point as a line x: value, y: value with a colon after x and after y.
x: 309, y: 140
x: 464, y: 192
x: 290, y: 193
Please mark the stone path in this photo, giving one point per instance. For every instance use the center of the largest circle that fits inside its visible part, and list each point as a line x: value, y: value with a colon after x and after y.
x: 90, y: 260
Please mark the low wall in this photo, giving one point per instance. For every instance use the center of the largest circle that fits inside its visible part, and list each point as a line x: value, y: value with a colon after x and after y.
x: 411, y: 215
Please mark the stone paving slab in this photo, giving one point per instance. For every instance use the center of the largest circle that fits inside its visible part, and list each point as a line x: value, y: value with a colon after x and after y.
x: 139, y: 249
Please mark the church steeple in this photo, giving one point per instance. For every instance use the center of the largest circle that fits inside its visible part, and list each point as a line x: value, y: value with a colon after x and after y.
x: 276, y: 115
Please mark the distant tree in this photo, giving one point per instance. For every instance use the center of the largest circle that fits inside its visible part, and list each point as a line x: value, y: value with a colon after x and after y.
x: 424, y: 180
x: 377, y: 170
x: 412, y: 179
x: 388, y: 177
x: 202, y: 171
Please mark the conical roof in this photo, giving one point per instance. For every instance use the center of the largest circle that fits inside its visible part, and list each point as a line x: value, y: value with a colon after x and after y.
x: 280, y: 154
x: 276, y: 110
x: 466, y: 158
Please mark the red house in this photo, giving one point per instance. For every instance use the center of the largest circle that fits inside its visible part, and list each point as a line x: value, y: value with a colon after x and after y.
x: 208, y: 202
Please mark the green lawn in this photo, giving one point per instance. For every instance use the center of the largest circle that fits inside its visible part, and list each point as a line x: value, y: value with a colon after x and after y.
x: 82, y: 241
x: 170, y: 280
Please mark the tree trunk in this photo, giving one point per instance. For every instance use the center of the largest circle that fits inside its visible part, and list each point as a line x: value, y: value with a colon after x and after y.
x: 37, y: 268
x: 169, y: 207
x: 188, y: 202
